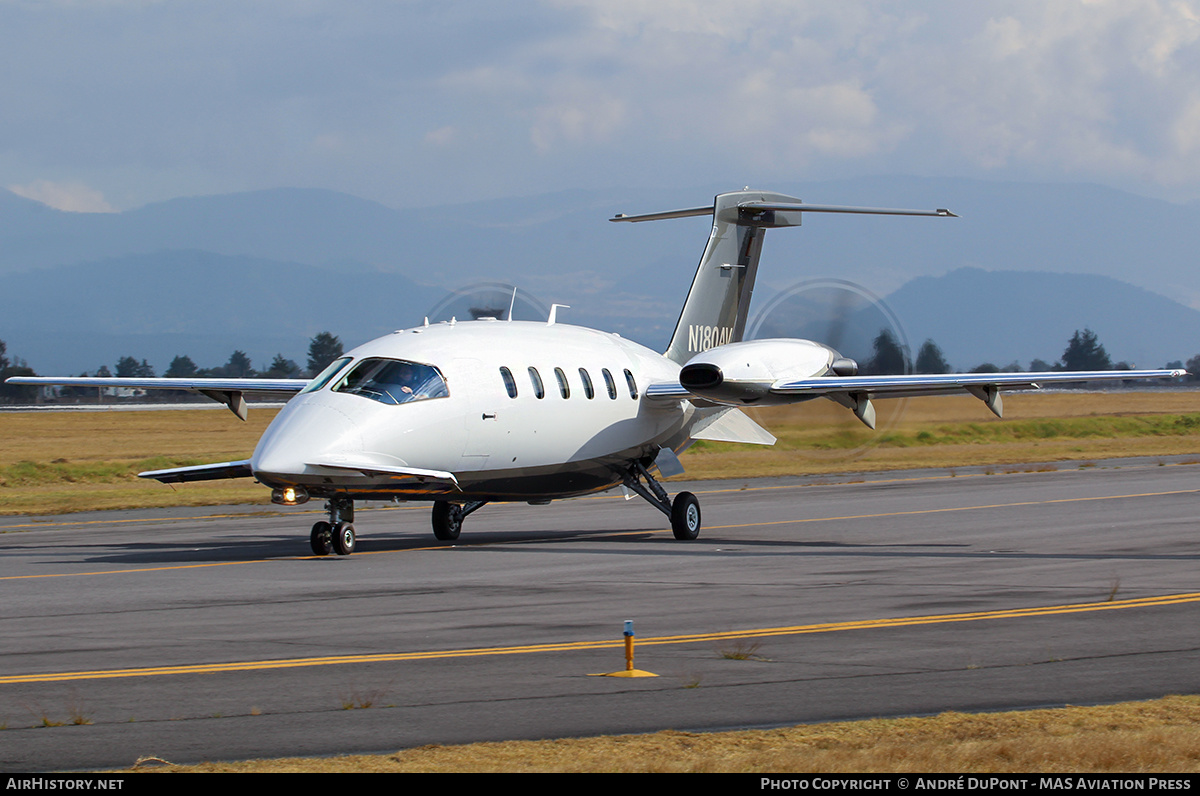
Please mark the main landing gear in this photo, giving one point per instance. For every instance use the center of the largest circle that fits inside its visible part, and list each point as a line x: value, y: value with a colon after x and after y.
x: 448, y: 517
x: 684, y: 511
x: 337, y: 535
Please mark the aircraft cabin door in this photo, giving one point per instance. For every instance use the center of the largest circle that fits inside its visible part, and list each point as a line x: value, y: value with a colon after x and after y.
x: 484, y: 422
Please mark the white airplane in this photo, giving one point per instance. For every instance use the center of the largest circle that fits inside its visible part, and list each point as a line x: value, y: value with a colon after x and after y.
x: 467, y: 413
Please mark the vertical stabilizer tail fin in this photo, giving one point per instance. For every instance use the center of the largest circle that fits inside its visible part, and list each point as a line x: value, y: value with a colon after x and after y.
x: 717, y: 304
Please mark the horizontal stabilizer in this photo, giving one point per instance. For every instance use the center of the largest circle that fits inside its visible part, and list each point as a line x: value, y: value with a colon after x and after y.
x: 688, y: 213
x: 800, y: 207
x: 201, y: 472
x: 732, y: 425
x: 784, y: 207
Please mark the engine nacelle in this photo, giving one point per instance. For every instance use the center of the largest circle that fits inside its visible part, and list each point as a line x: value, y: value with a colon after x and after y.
x: 742, y: 373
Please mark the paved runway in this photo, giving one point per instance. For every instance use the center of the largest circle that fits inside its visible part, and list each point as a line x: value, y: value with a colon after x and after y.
x: 209, y: 634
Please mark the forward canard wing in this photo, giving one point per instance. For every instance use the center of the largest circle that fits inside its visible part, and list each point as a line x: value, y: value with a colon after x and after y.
x: 201, y: 472
x: 368, y: 467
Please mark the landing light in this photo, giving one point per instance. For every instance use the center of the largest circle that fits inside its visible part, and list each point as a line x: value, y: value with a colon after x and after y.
x: 290, y: 496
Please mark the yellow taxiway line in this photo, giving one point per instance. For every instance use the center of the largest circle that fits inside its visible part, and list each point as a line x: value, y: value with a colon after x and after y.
x: 574, y: 646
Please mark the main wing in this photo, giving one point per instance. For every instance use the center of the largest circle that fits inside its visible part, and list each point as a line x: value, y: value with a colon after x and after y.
x: 230, y: 392
x: 858, y: 392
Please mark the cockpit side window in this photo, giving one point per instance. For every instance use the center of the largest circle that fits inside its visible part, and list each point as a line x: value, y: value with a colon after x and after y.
x: 393, y: 381
x: 324, y: 376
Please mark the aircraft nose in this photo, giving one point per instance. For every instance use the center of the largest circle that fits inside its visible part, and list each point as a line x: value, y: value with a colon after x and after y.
x: 299, y: 434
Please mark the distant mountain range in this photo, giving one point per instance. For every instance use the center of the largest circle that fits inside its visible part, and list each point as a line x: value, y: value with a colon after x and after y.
x: 263, y: 272
x: 978, y: 316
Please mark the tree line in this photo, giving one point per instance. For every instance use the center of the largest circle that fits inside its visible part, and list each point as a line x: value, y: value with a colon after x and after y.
x: 1083, y: 352
x: 322, y: 349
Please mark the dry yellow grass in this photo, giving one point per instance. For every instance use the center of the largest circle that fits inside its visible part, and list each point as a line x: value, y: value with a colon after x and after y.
x: 74, y: 461
x: 130, y: 436
x: 1157, y: 736
x: 99, y: 454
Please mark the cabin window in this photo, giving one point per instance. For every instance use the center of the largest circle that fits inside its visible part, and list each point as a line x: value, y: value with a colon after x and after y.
x: 324, y: 377
x: 510, y: 383
x: 393, y: 381
x: 610, y: 384
x: 587, y: 384
x: 536, y: 379
x: 563, y: 387
x: 632, y: 384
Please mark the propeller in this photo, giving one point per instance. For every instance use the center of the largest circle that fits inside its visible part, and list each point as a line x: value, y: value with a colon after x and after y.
x: 859, y: 326
x: 489, y: 300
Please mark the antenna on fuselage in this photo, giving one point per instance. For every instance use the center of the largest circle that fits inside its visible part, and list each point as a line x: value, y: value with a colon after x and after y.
x: 554, y: 312
x: 513, y: 303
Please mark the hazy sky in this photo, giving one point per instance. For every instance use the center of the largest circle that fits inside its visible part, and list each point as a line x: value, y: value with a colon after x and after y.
x: 109, y: 104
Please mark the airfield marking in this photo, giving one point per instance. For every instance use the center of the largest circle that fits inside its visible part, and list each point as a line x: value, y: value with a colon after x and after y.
x: 574, y: 646
x: 485, y: 543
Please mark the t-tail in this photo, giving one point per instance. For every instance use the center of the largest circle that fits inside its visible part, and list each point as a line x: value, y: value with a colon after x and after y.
x: 717, y: 304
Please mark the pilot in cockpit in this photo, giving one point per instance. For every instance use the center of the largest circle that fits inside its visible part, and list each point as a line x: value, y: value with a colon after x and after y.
x: 407, y: 380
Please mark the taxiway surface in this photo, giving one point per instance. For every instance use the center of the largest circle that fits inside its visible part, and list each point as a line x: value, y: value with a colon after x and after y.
x: 209, y: 634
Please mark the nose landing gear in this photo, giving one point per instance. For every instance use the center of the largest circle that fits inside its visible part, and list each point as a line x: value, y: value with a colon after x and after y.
x: 337, y: 535
x: 321, y: 539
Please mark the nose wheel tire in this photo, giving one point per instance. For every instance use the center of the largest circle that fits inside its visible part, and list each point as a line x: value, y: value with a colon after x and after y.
x: 685, y: 516
x: 447, y: 520
x: 343, y: 539
x: 321, y: 539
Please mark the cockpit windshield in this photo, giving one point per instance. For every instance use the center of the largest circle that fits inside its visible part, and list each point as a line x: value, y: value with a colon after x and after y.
x: 393, y: 381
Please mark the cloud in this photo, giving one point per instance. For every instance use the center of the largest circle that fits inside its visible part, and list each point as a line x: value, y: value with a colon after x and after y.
x: 179, y: 98
x: 442, y: 136
x: 589, y: 120
x: 74, y: 197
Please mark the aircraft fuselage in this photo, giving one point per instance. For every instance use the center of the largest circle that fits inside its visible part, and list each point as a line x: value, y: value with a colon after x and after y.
x: 528, y: 411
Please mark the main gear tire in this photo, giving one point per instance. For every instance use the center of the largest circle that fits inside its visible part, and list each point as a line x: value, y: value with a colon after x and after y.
x: 447, y: 520
x: 685, y: 516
